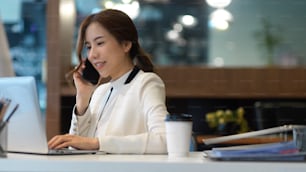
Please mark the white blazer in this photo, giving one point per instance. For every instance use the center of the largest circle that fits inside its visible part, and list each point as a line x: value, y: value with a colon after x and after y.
x: 132, y: 120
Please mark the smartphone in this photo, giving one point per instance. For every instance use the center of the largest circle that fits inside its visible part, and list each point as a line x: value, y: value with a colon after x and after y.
x: 90, y: 73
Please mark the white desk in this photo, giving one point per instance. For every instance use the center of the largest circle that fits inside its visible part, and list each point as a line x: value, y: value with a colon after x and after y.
x: 136, y: 163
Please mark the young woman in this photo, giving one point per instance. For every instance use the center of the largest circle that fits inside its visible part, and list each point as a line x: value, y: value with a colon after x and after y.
x: 126, y: 114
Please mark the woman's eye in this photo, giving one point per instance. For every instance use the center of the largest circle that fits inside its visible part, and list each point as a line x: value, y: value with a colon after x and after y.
x: 100, y: 43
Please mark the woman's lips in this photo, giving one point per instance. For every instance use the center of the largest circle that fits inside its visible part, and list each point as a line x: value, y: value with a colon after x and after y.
x: 100, y: 65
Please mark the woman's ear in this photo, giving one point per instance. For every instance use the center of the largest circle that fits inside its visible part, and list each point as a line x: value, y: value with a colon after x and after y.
x: 127, y: 45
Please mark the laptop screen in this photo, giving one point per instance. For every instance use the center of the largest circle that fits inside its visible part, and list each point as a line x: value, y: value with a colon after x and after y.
x: 26, y: 128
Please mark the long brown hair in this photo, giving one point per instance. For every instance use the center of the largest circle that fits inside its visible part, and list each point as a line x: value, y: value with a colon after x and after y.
x: 122, y: 28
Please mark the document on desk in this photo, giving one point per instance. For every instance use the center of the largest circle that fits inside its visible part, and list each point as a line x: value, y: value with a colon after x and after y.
x: 281, y: 151
x: 293, y: 150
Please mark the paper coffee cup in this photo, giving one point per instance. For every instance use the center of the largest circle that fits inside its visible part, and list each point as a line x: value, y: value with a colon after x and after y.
x: 178, y: 134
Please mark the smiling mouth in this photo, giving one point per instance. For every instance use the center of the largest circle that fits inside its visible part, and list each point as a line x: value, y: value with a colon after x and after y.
x: 100, y: 64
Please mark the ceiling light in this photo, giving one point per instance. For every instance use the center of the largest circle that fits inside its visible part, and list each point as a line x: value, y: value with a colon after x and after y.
x: 218, y: 3
x: 188, y: 20
x: 221, y: 14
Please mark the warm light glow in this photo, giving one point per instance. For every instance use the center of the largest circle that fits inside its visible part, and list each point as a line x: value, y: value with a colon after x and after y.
x: 178, y: 27
x: 67, y: 8
x: 126, y: 1
x: 220, y: 19
x: 172, y: 35
x: 218, y: 3
x: 218, y: 61
x: 188, y: 20
x: 219, y: 24
x: 109, y: 4
x: 130, y: 7
x: 221, y: 14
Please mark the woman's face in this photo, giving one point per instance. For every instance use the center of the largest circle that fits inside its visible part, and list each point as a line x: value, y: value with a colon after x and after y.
x: 108, y: 56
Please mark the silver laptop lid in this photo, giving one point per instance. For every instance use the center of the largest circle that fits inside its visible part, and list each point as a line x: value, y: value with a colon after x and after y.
x: 26, y: 129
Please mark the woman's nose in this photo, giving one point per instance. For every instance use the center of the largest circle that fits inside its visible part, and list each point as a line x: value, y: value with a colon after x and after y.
x: 92, y: 53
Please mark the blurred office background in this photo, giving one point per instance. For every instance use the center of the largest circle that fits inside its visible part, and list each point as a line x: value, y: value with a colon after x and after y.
x: 176, y: 32
x: 208, y: 33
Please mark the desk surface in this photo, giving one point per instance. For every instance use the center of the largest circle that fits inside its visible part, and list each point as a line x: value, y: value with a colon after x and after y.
x: 136, y: 163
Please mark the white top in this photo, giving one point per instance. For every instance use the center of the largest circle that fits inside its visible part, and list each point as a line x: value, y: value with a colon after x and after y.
x: 132, y: 120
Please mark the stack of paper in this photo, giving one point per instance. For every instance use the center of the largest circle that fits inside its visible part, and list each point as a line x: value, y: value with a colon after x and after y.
x: 281, y: 151
x: 284, y: 151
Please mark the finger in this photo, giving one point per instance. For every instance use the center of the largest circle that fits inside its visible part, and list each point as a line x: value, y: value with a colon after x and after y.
x: 66, y: 141
x: 77, y: 75
x: 63, y: 145
x: 54, y: 144
x: 57, y: 140
x: 53, y: 141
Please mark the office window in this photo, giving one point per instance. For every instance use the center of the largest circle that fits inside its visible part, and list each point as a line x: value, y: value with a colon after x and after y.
x: 259, y: 33
x: 232, y: 33
x: 25, y: 27
x: 174, y: 32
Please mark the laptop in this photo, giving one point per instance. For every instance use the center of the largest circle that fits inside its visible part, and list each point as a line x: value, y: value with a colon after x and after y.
x: 26, y: 128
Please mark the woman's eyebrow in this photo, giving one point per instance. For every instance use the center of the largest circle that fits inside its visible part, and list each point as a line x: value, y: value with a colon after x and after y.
x: 98, y: 37
x: 95, y: 39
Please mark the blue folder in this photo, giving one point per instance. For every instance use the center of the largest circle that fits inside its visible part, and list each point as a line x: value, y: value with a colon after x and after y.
x: 292, y: 150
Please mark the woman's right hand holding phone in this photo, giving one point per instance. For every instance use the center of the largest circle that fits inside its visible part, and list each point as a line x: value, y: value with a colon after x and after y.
x: 84, y: 90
